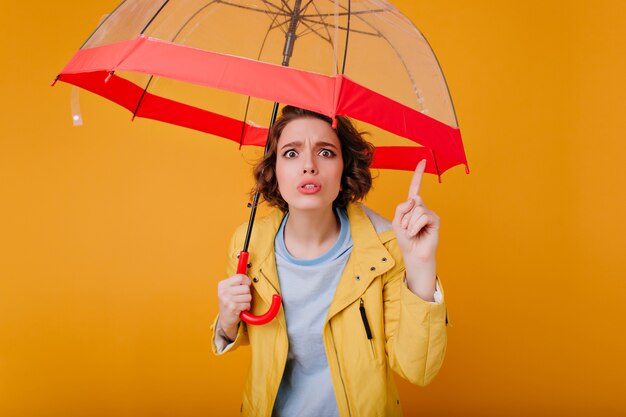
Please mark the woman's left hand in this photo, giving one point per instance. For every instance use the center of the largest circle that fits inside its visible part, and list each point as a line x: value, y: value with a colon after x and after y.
x: 416, y: 227
x: 417, y: 231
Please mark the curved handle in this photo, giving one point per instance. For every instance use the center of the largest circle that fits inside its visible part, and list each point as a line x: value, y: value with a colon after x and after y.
x: 263, y: 318
x: 276, y: 299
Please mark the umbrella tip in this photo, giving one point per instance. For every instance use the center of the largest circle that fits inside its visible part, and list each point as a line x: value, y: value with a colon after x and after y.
x: 54, y: 81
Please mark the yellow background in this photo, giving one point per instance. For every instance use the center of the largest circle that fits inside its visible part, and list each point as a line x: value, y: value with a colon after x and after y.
x: 113, y: 234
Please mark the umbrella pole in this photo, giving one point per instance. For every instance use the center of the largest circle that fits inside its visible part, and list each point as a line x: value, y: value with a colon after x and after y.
x: 255, y: 199
x: 242, y: 265
x: 290, y: 38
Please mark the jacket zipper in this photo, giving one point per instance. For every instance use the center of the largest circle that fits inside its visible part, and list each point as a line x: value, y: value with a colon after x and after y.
x: 366, y: 324
x: 275, y: 393
x: 343, y: 384
x: 368, y: 330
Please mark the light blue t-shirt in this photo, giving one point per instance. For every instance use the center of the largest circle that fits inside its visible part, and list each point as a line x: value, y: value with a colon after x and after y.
x: 307, y: 289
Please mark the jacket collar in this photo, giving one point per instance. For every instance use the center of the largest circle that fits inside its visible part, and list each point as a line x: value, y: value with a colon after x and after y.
x: 369, y: 258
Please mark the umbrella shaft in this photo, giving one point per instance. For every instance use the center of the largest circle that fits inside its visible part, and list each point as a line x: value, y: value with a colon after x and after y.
x: 255, y: 199
x: 290, y: 39
x: 290, y: 36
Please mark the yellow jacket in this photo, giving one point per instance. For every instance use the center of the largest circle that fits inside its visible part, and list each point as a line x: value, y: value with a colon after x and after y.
x: 409, y: 334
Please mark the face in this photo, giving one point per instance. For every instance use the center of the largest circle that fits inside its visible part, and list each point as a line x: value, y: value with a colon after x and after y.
x: 309, y: 164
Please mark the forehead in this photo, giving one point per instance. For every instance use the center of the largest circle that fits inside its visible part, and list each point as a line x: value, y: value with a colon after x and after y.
x: 308, y: 129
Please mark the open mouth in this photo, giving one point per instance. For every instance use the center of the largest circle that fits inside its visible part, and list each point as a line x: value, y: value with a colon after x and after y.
x: 309, y: 187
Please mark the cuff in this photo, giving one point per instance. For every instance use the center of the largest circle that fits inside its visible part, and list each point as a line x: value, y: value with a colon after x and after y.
x: 437, y: 296
x: 221, y: 342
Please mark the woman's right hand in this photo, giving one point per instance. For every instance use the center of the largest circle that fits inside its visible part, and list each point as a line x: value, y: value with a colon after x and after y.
x: 234, y: 296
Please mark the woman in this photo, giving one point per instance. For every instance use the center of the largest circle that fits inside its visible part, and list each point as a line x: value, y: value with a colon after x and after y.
x: 359, y: 293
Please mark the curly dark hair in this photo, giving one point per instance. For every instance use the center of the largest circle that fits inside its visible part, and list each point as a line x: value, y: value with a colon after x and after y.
x: 357, y: 154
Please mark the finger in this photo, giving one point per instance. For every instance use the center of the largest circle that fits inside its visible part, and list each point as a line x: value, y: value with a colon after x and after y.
x: 241, y: 279
x: 243, y: 307
x: 239, y: 290
x: 418, y: 225
x: 402, y: 209
x: 235, y: 308
x: 427, y: 222
x: 242, y: 298
x: 418, y: 205
x: 230, y: 282
x: 416, y: 181
x: 414, y: 215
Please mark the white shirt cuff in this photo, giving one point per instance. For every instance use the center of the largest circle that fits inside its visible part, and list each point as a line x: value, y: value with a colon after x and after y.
x: 437, y: 296
x: 222, y: 342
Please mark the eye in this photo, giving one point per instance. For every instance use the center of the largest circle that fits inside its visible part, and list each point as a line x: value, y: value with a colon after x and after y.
x: 326, y: 153
x: 290, y: 154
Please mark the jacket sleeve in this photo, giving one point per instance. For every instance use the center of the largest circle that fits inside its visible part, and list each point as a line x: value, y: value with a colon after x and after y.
x: 219, y: 343
x: 415, y: 330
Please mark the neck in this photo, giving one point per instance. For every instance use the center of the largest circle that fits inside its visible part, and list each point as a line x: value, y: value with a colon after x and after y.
x: 309, y: 234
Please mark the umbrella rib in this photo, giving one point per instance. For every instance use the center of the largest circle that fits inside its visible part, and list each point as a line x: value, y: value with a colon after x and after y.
x: 347, y: 13
x: 287, y: 15
x: 432, y: 51
x: 311, y: 29
x: 145, y: 90
x: 345, y: 49
x: 269, y: 13
x: 197, y: 12
x: 324, y: 26
x: 245, y: 116
x: 361, y: 32
x: 286, y: 11
x: 101, y: 23
x: 143, y: 93
x: 280, y: 25
x: 406, y: 68
x: 301, y: 11
x: 154, y: 17
x: 227, y: 3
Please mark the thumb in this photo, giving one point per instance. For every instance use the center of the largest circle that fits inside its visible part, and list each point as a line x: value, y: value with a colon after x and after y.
x: 242, y: 279
x: 245, y: 280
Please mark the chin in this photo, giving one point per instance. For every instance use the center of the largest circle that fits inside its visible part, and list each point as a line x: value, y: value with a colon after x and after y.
x: 308, y: 203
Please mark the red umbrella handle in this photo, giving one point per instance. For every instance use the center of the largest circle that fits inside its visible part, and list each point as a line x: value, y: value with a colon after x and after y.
x: 274, y: 308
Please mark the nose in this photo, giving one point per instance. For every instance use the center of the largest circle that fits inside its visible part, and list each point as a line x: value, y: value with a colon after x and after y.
x: 309, y: 164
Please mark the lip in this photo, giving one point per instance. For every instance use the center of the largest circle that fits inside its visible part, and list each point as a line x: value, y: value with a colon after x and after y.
x: 315, y: 189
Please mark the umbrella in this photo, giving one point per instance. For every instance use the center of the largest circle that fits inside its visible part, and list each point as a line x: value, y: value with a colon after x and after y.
x: 218, y: 65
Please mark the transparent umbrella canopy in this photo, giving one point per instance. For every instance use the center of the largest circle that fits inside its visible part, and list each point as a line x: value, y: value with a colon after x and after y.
x: 218, y: 67
x: 223, y: 67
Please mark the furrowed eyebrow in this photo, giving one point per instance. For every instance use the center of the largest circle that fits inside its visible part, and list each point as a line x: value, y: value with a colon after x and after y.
x: 326, y: 145
x: 296, y: 144
x: 293, y: 144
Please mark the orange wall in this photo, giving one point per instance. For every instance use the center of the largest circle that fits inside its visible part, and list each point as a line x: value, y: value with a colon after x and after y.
x: 114, y: 234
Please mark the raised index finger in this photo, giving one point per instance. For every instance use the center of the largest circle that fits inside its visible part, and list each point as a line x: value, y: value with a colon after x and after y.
x: 416, y: 181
